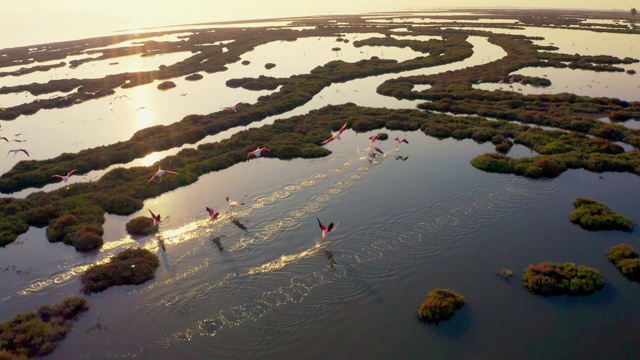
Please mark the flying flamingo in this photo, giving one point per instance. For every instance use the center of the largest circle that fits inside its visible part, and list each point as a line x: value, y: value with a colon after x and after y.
x: 326, y: 230
x: 160, y: 173
x: 212, y: 213
x: 156, y: 218
x: 373, y: 139
x: 15, y: 151
x: 373, y: 148
x: 399, y: 141
x: 336, y: 135
x: 233, y: 203
x: 65, y: 178
x: 257, y: 152
x: 233, y: 107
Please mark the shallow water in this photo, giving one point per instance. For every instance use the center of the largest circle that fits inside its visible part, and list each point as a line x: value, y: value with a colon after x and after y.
x: 259, y: 282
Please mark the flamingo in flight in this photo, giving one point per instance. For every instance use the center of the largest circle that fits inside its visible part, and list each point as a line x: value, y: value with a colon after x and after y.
x: 400, y: 141
x: 65, y: 178
x: 373, y: 139
x: 233, y: 107
x: 374, y: 148
x: 336, y: 135
x: 15, y: 151
x: 233, y: 203
x: 160, y: 173
x: 258, y: 152
x: 156, y: 218
x: 212, y: 213
x: 326, y: 230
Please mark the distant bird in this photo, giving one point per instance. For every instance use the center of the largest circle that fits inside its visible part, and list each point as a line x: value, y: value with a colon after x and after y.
x: 212, y: 213
x: 403, y: 158
x: 479, y: 81
x: 64, y: 178
x: 160, y: 173
x: 77, y: 101
x: 336, y: 135
x: 233, y: 203
x: 373, y: 139
x: 19, y: 134
x: 156, y: 218
x: 15, y: 151
x: 4, y: 138
x: 232, y: 107
x: 399, y: 141
x: 258, y: 152
x: 374, y: 149
x: 326, y: 230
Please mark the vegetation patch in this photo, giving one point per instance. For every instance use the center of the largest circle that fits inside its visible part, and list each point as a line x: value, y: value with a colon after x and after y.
x: 129, y: 267
x: 439, y: 305
x: 165, y: 85
x: 593, y: 215
x: 549, y: 278
x: 37, y: 333
x: 141, y: 226
x: 269, y: 66
x: 625, y: 258
x: 194, y: 77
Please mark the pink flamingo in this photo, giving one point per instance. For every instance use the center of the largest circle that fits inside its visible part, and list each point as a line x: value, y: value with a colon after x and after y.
x: 399, y: 141
x: 156, y: 218
x: 15, y: 151
x: 326, y: 230
x: 233, y: 203
x: 258, y: 152
x: 212, y: 213
x: 336, y: 135
x: 160, y: 173
x: 65, y: 178
x: 373, y: 139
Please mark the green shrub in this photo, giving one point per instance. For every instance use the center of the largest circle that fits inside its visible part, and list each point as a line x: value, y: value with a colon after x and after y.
x: 439, y: 305
x: 558, y: 279
x: 37, y: 333
x: 129, y: 267
x: 625, y: 258
x: 141, y: 226
x: 593, y: 215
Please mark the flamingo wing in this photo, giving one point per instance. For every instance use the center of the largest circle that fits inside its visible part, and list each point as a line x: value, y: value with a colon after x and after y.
x: 330, y: 228
x: 324, y: 228
x: 342, y: 128
x: 152, y: 214
x: 328, y: 140
x: 58, y: 176
x: 71, y: 172
x: 24, y: 151
x: 4, y: 138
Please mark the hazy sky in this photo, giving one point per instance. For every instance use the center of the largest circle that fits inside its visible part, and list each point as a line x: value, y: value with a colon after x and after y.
x: 30, y: 22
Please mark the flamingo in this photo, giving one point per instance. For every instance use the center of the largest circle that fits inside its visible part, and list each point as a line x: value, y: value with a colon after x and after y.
x: 64, y: 178
x: 4, y: 138
x: 399, y: 141
x: 374, y: 148
x: 257, y: 152
x: 233, y: 107
x: 212, y: 213
x: 233, y: 203
x: 373, y: 139
x: 160, y: 173
x: 15, y: 151
x: 156, y: 218
x: 326, y: 230
x: 336, y: 135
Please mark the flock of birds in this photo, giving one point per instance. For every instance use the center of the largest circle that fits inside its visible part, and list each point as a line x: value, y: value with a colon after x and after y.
x: 373, y: 149
x: 18, y: 150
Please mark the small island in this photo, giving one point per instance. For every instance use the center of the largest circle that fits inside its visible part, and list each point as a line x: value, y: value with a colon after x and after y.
x: 129, y: 267
x: 37, y: 333
x: 141, y: 226
x: 549, y: 278
x: 625, y: 258
x: 439, y: 305
x: 593, y: 215
x: 166, y: 85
